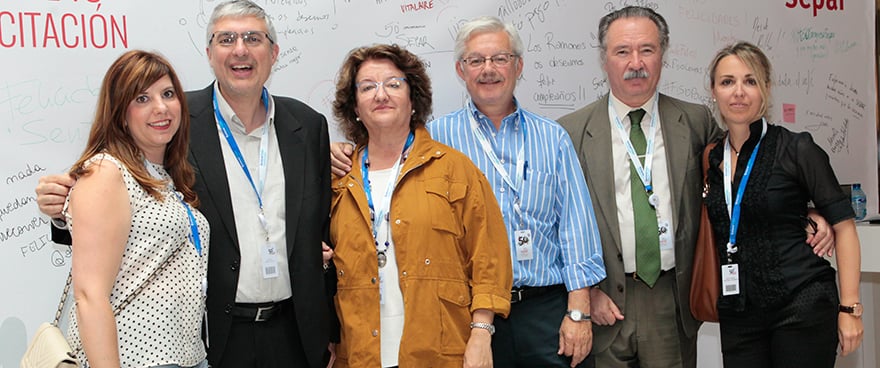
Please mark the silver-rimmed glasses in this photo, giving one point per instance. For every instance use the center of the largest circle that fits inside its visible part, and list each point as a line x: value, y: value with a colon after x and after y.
x: 499, y: 60
x: 250, y: 38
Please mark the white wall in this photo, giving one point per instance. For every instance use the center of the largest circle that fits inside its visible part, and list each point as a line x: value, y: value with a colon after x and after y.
x: 54, y: 54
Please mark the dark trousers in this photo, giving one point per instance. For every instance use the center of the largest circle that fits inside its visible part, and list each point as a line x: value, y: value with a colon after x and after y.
x: 269, y: 344
x: 801, y: 334
x: 529, y: 337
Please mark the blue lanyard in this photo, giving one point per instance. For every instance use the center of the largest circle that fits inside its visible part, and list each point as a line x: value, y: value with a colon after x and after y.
x: 380, y: 218
x: 193, y: 225
x: 516, y: 183
x: 264, y: 153
x: 733, y: 209
x: 643, y: 171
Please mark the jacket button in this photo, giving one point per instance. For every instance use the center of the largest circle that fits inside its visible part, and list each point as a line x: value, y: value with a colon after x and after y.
x: 620, y: 257
x: 397, y: 221
x: 228, y: 308
x: 233, y: 266
x: 404, y: 273
x: 373, y: 280
x: 375, y: 333
x: 620, y: 288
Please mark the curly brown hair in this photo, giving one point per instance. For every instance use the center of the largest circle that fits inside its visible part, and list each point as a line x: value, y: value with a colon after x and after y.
x: 346, y: 96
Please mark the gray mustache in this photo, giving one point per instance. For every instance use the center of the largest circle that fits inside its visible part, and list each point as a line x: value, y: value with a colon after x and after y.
x: 641, y: 73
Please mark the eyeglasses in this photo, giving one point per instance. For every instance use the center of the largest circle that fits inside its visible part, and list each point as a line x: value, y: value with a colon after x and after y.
x: 250, y: 38
x: 476, y: 62
x: 393, y: 84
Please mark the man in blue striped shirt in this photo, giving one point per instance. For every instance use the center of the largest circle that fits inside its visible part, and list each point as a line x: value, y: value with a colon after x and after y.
x: 538, y: 182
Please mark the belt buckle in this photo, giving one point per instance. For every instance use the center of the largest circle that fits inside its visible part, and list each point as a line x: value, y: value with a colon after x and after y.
x: 515, y: 296
x: 260, y: 317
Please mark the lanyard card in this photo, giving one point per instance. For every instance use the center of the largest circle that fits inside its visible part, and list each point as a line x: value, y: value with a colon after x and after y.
x: 269, y: 256
x: 524, y: 250
x: 730, y: 279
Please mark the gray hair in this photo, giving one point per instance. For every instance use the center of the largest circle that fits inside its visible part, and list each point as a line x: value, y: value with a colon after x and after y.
x: 486, y: 24
x: 632, y: 12
x: 239, y: 9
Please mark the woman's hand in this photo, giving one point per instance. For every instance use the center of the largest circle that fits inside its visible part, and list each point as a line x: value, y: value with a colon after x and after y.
x: 478, y: 352
x: 849, y: 331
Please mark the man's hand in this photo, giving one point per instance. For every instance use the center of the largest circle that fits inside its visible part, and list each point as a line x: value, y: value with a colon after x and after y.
x: 820, y: 234
x: 603, y: 311
x: 340, y: 161
x: 52, y: 192
x: 575, y: 340
x: 326, y: 254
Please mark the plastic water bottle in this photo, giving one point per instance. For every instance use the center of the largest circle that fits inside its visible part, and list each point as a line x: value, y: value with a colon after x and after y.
x: 859, y: 201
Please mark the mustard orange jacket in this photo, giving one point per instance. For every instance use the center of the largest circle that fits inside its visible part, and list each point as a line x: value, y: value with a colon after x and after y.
x: 451, y: 250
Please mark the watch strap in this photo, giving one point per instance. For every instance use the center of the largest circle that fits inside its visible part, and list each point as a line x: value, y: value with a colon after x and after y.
x: 486, y: 326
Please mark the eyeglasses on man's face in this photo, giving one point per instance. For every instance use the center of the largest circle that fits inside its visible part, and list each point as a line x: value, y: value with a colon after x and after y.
x: 393, y: 84
x: 500, y: 60
x: 250, y: 38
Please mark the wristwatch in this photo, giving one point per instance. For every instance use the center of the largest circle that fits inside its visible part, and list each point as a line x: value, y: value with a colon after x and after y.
x: 855, y: 309
x: 486, y: 326
x: 577, y: 315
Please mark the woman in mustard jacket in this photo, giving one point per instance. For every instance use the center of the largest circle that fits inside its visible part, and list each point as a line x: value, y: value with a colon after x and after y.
x: 421, y: 258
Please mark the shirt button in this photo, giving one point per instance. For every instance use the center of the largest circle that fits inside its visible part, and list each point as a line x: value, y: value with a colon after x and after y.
x: 438, y: 152
x: 501, y: 189
x: 341, y: 272
x: 427, y: 261
x: 375, y: 333
x: 350, y: 185
x: 502, y: 160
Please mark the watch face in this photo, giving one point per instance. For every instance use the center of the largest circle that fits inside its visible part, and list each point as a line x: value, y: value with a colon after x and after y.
x: 857, y: 310
x: 576, y: 315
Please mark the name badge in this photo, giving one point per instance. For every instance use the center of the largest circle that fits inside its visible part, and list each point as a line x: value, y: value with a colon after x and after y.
x: 730, y: 279
x: 524, y: 251
x: 664, y: 229
x: 269, y: 256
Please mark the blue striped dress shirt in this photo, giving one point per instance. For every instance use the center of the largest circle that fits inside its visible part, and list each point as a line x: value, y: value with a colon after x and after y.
x: 555, y: 200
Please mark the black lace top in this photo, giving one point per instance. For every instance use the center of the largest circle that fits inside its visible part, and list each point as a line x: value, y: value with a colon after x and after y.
x: 774, y: 259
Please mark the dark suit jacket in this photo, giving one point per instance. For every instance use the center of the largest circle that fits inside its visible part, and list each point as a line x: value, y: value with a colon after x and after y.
x: 304, y: 144
x: 686, y: 129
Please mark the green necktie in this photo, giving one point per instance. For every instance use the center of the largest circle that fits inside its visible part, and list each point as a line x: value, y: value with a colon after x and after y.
x: 644, y: 216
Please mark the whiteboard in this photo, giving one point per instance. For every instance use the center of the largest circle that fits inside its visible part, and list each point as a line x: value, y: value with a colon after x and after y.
x: 54, y: 54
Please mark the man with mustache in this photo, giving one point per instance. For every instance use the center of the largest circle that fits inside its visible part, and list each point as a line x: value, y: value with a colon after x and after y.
x: 648, y: 197
x: 535, y: 176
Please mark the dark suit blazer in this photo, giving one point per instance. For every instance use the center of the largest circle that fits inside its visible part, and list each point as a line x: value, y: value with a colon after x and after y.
x: 686, y: 129
x: 304, y: 144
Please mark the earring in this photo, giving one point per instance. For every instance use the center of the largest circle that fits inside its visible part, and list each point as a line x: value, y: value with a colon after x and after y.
x: 357, y: 118
x: 713, y: 100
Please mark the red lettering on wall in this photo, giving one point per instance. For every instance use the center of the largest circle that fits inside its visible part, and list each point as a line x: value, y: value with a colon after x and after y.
x: 816, y: 5
x: 31, y: 29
